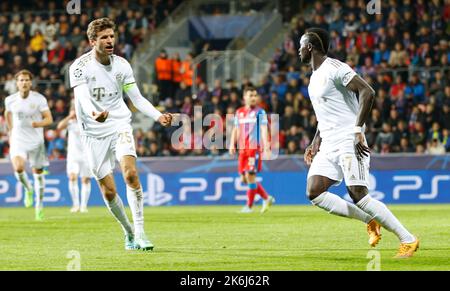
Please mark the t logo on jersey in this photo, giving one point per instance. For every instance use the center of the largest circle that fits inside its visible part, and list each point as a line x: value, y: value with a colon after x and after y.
x: 98, y: 93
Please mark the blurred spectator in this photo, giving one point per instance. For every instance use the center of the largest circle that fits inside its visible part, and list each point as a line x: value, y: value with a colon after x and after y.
x: 405, y: 147
x: 435, y: 148
x: 402, y: 52
x: 163, y: 67
x: 385, y: 138
x: 176, y: 71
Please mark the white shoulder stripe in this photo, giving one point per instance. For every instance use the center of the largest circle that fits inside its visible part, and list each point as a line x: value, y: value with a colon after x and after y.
x: 334, y: 62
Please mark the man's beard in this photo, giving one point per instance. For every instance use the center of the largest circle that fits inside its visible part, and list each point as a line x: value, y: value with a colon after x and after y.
x: 306, y: 59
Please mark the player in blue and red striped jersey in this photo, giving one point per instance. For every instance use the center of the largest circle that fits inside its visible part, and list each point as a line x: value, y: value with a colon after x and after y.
x: 251, y: 134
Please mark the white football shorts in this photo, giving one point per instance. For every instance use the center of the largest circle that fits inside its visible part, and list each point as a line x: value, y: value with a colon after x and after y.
x: 341, y: 165
x: 78, y: 167
x: 35, y: 154
x: 102, y: 152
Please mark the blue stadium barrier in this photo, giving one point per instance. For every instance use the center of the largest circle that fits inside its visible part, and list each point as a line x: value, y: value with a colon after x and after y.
x: 396, y: 179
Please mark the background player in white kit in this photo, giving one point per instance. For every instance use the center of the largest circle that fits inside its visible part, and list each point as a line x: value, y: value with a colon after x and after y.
x: 26, y: 114
x: 77, y: 165
x: 99, y: 79
x: 342, y: 101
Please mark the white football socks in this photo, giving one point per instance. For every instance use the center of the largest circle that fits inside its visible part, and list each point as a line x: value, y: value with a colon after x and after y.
x: 116, y: 208
x: 136, y: 202
x: 23, y: 179
x: 338, y: 206
x: 74, y: 192
x: 384, y: 216
x: 85, y: 193
x: 39, y: 185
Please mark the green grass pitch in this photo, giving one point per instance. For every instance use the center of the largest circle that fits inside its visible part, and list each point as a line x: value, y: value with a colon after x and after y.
x: 219, y: 238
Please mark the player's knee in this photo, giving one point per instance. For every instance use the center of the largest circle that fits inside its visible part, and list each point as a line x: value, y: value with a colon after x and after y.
x: 357, y: 192
x: 85, y: 180
x: 72, y: 177
x: 131, y: 177
x: 313, y: 190
x: 38, y: 171
x: 251, y: 177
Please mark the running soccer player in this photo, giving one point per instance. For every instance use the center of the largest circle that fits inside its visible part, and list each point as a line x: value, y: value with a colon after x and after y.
x: 76, y: 164
x: 99, y: 79
x: 342, y: 101
x: 26, y: 114
x: 250, y: 131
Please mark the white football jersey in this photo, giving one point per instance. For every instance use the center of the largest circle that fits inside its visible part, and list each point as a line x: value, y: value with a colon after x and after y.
x: 335, y: 106
x: 24, y: 112
x: 74, y: 146
x: 106, y: 91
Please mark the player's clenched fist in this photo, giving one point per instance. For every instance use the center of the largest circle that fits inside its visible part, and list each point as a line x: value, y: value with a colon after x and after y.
x: 100, y: 116
x: 309, y: 155
x: 165, y: 119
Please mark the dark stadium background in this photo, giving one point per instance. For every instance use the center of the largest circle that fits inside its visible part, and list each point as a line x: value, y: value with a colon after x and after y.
x: 402, y: 52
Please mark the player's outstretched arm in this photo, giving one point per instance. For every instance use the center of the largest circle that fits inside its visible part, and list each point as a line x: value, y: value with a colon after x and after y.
x: 366, y: 97
x: 144, y: 106
x: 82, y: 94
x: 65, y: 121
x: 47, y: 119
x: 8, y: 118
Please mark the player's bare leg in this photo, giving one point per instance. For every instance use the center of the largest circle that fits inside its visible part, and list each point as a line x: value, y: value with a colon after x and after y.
x: 18, y: 164
x: 250, y: 198
x: 115, y: 206
x: 85, y: 193
x: 74, y: 192
x: 39, y: 186
x: 378, y: 210
x: 135, y: 200
x: 317, y: 187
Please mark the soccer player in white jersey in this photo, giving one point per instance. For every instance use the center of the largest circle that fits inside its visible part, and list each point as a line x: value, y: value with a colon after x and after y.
x: 342, y: 101
x: 99, y: 79
x: 76, y: 164
x: 26, y: 114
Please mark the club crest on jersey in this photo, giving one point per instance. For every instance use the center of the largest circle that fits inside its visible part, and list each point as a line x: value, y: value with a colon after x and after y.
x: 119, y: 77
x: 32, y: 106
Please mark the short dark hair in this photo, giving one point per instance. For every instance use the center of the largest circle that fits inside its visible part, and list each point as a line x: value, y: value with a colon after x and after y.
x: 249, y: 87
x: 319, y: 38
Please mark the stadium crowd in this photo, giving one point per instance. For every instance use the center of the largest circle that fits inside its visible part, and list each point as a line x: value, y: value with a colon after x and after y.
x: 42, y: 37
x: 402, y: 52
